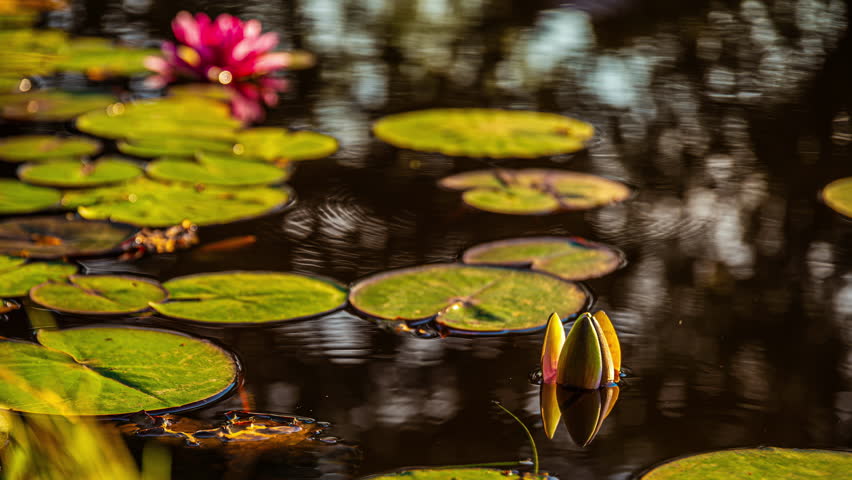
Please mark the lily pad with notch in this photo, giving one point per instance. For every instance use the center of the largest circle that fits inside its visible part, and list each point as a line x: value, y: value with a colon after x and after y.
x: 457, y: 474
x: 485, y: 132
x: 18, y: 197
x: 476, y: 299
x: 33, y: 148
x: 278, y: 145
x: 761, y: 462
x: 76, y: 174
x: 535, y: 191
x: 112, y: 371
x: 148, y: 203
x: 571, y: 258
x: 55, y: 237
x: 172, y: 146
x: 250, y: 298
x: 18, y: 276
x: 52, y: 106
x: 98, y: 294
x: 214, y: 170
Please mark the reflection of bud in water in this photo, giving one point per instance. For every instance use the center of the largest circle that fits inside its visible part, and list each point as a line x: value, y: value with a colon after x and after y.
x: 583, y: 412
x: 588, y: 358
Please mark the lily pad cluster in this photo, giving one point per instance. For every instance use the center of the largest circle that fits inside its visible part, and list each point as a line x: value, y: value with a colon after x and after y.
x: 535, y: 191
x: 18, y: 275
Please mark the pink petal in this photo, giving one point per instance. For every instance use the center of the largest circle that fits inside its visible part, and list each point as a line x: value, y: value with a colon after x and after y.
x: 270, y: 62
x: 252, y: 29
x: 266, y: 42
x: 186, y: 28
x: 157, y: 81
x: 245, y: 109
x: 157, y: 64
x: 242, y: 49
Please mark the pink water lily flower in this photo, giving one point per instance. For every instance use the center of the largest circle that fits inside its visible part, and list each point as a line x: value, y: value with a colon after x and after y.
x: 227, y: 51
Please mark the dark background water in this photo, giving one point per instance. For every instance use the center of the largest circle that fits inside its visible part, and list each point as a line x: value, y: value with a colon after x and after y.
x: 734, y: 312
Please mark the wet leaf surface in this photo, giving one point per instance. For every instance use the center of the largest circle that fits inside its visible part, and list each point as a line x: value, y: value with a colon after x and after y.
x: 51, y: 106
x: 766, y: 463
x: 17, y: 276
x: 166, y: 117
x: 457, y: 474
x: 71, y: 174
x: 57, y: 236
x: 279, y: 145
x: 98, y: 294
x: 467, y: 298
x: 149, y: 203
x: 838, y: 196
x: 485, y: 133
x: 212, y: 170
x: 535, y: 191
x: 112, y: 370
x: 571, y: 258
x: 29, y: 148
x: 250, y: 297
x: 150, y: 147
x: 18, y: 197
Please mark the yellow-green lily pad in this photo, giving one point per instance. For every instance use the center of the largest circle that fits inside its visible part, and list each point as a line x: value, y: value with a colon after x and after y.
x: 765, y: 463
x: 98, y: 294
x: 279, y: 145
x: 18, y: 197
x: 33, y: 148
x: 52, y: 106
x: 214, y: 91
x: 838, y: 196
x: 99, y: 58
x: 58, y: 236
x: 571, y: 258
x: 248, y: 298
x: 467, y: 298
x: 17, y: 276
x: 164, y: 117
x: 212, y: 170
x: 535, y: 191
x: 150, y: 147
x: 457, y: 474
x: 73, y: 173
x: 147, y: 203
x: 112, y: 371
x: 485, y: 132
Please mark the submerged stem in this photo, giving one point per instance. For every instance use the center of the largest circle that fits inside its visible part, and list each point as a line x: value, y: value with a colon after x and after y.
x: 529, y: 435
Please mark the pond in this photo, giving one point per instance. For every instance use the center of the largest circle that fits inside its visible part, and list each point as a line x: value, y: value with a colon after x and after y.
x: 733, y: 305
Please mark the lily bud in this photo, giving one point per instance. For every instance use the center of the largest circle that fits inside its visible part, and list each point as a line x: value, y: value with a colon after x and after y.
x: 588, y: 358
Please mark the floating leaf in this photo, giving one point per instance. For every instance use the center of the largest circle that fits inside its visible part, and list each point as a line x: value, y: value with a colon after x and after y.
x: 98, y: 294
x: 535, y: 191
x: 214, y: 91
x: 160, y: 146
x: 29, y: 148
x: 18, y: 197
x: 838, y: 196
x: 69, y: 174
x: 211, y: 170
x: 111, y: 371
x: 57, y: 237
x: 485, y: 132
x: 250, y: 297
x: 762, y: 463
x: 571, y: 258
x: 457, y: 474
x: 581, y: 362
x: 467, y: 298
x: 99, y: 58
x: 279, y: 145
x: 17, y: 277
x: 165, y: 117
x: 554, y: 338
x: 51, y: 106
x: 148, y: 203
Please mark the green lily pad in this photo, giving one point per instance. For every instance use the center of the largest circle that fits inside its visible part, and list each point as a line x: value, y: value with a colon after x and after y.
x: 571, y: 258
x: 148, y: 203
x: 838, y: 196
x: 535, y: 191
x: 766, y: 463
x: 278, y: 145
x: 98, y: 294
x: 208, y: 90
x: 457, y: 474
x: 70, y: 174
x: 18, y: 277
x: 485, y: 132
x: 112, y: 371
x: 211, y: 170
x: 99, y: 58
x: 173, y: 146
x: 467, y: 298
x: 164, y: 117
x: 18, y: 197
x: 52, y: 106
x: 30, y: 148
x: 57, y: 236
x: 250, y: 297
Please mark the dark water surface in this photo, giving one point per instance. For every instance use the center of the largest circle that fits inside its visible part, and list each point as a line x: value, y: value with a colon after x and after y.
x: 734, y: 312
